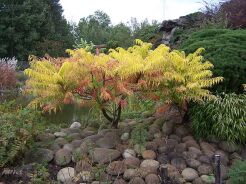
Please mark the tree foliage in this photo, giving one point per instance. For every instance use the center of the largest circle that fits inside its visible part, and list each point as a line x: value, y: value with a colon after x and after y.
x: 33, y: 27
x: 98, y: 29
x: 106, y: 80
x: 84, y: 44
x: 145, y: 31
x: 234, y: 12
x: 121, y: 36
x: 94, y: 28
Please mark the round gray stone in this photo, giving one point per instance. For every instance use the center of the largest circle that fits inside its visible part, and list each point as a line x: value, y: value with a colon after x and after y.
x: 63, y: 157
x: 39, y: 155
x: 104, y: 155
x: 75, y: 125
x: 189, y: 174
x: 66, y: 175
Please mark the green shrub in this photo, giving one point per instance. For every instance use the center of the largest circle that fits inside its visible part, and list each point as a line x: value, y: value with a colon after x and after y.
x: 136, y: 106
x: 17, y: 130
x: 224, y: 118
x: 139, y: 137
x: 225, y: 48
x: 41, y: 174
x: 237, y: 172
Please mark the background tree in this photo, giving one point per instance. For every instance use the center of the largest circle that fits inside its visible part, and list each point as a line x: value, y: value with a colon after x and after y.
x: 144, y: 30
x: 33, y: 27
x: 120, y: 34
x: 94, y: 28
x: 98, y: 29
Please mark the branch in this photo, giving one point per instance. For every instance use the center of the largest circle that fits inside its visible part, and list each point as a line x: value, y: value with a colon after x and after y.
x: 106, y: 115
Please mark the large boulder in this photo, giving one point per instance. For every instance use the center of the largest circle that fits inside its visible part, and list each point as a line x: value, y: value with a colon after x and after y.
x: 39, y: 155
x: 71, y: 130
x: 179, y: 163
x: 128, y: 153
x: 66, y: 175
x: 125, y: 136
x: 189, y: 174
x: 118, y: 181
x: 60, y: 134
x: 152, y: 179
x: 132, y: 162
x: 61, y: 141
x: 205, y: 169
x: 83, y: 165
x: 149, y: 154
x: 149, y: 166
x: 106, y: 142
x: 208, y: 149
x: 171, y: 113
x: 229, y: 146
x: 137, y: 180
x: 63, y: 157
x: 68, y: 147
x: 129, y: 174
x: 75, y: 125
x: 193, y: 163
x: 170, y: 26
x: 162, y: 158
x: 104, y: 155
x: 182, y: 131
x: 93, y: 138
x: 167, y: 128
x: 76, y: 143
x: 46, y: 137
x: 73, y: 136
x: 116, y: 168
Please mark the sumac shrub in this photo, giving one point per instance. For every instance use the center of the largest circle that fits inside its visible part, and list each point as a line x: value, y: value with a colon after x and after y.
x: 106, y: 80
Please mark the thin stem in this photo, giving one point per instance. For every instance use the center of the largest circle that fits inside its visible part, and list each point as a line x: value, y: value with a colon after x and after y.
x: 106, y: 115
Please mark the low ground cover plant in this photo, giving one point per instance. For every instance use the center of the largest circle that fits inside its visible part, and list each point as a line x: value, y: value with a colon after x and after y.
x: 18, y: 128
x: 237, y: 172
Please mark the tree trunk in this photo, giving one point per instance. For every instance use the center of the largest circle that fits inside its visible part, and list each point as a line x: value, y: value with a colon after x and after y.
x: 115, y: 119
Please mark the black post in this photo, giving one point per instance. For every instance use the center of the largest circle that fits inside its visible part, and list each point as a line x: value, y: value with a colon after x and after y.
x: 164, y: 174
x: 217, y: 169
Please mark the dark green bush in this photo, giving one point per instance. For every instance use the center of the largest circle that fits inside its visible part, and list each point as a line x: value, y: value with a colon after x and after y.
x: 139, y: 135
x: 237, y: 172
x: 224, y: 118
x: 17, y: 130
x: 225, y: 48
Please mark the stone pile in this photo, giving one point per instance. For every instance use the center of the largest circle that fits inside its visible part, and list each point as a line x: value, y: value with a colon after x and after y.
x: 90, y: 156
